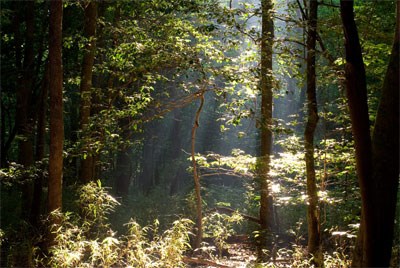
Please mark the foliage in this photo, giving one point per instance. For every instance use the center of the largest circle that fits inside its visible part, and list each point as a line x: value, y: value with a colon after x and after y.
x: 17, y: 174
x: 220, y: 227
x: 140, y: 247
x: 94, y: 204
x: 152, y: 58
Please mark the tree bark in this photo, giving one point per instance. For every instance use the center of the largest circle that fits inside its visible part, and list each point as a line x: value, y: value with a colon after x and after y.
x: 385, y: 148
x: 24, y: 119
x: 56, y: 107
x: 314, y: 246
x: 87, y: 169
x: 356, y: 90
x: 40, y: 147
x: 377, y: 160
x: 196, y: 178
x: 264, y: 179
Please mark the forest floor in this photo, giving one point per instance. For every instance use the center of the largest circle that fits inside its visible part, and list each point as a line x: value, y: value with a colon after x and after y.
x: 238, y: 255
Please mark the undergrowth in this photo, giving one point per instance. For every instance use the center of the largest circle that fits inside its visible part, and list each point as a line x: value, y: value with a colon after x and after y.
x: 87, y: 240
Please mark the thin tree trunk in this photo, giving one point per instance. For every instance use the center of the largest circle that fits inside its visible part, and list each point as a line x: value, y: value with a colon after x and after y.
x: 314, y: 247
x: 264, y: 179
x: 87, y: 170
x: 196, y: 177
x: 56, y: 108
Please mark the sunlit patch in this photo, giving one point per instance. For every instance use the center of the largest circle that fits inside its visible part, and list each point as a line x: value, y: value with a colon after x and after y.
x: 276, y: 188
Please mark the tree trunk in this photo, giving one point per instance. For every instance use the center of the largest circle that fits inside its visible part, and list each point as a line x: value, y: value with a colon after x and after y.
x: 356, y: 90
x: 24, y: 119
x: 374, y: 247
x: 264, y: 180
x: 385, y: 148
x: 196, y: 177
x: 87, y: 169
x: 56, y: 107
x: 40, y: 147
x: 376, y: 161
x: 314, y: 247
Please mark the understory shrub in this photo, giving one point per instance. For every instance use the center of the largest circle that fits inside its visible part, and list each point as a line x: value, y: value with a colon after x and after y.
x: 79, y: 242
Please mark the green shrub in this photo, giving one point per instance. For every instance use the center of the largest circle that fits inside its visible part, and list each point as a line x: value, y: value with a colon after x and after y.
x: 219, y: 227
x: 80, y: 244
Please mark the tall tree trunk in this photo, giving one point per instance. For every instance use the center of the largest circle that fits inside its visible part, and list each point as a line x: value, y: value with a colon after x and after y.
x: 314, y: 247
x: 264, y: 179
x: 196, y: 178
x: 356, y: 90
x: 376, y: 161
x: 24, y: 119
x: 56, y: 108
x: 385, y: 148
x: 374, y: 243
x: 40, y: 147
x: 87, y: 169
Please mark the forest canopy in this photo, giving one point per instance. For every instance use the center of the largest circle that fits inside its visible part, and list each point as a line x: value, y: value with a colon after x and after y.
x: 200, y: 133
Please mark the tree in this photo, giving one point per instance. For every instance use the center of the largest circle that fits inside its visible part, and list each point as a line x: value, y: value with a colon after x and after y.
x: 314, y: 246
x: 24, y: 120
x: 377, y: 169
x: 56, y: 107
x: 385, y: 155
x: 40, y: 146
x: 196, y: 177
x: 87, y: 171
x: 266, y: 201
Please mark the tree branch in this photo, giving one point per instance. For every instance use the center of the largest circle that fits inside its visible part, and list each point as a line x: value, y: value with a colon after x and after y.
x: 230, y: 211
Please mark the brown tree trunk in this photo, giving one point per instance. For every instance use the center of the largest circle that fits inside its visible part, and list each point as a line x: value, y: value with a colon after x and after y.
x: 264, y: 179
x: 56, y: 107
x: 377, y: 160
x: 356, y: 90
x: 314, y: 247
x: 373, y: 248
x: 24, y: 119
x: 385, y: 148
x: 40, y: 147
x: 196, y: 178
x: 87, y: 169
